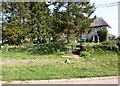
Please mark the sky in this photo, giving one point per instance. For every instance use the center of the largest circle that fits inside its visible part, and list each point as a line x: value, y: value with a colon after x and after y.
x: 109, y: 14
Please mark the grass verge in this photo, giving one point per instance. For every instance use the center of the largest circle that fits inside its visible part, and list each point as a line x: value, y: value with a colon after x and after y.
x: 46, y: 67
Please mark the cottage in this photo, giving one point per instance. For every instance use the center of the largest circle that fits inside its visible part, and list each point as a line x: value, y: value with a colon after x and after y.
x: 97, y: 25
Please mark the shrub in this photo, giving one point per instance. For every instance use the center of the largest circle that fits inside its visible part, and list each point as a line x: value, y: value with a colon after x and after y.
x: 109, y: 42
x: 111, y: 45
x: 5, y: 47
x: 13, y: 34
x: 106, y: 45
x: 84, y: 54
x: 42, y: 48
x: 90, y: 46
x: 103, y: 35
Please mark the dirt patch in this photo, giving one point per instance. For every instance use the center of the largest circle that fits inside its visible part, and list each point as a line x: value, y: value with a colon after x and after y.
x: 72, y: 56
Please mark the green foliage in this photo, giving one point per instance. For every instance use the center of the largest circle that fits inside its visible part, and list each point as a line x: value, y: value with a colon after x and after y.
x: 84, y: 54
x: 33, y: 20
x: 42, y: 48
x: 5, y: 47
x: 17, y: 12
x: 111, y: 45
x: 114, y: 42
x: 74, y: 20
x: 41, y: 18
x: 103, y: 35
x: 59, y: 53
x: 106, y: 45
x: 90, y: 46
x: 12, y: 33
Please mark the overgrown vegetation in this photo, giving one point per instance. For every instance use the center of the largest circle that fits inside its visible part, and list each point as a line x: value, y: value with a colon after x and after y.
x: 106, y: 45
x: 42, y: 48
x: 50, y: 48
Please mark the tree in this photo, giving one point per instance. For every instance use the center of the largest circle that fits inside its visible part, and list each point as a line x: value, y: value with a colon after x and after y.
x: 41, y: 21
x: 17, y: 13
x: 12, y: 34
x: 35, y: 21
x: 33, y: 18
x: 75, y: 19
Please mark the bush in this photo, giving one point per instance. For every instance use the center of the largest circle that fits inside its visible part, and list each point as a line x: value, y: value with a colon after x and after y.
x: 5, y: 47
x: 13, y: 34
x: 106, y: 45
x: 109, y: 42
x: 90, y: 46
x: 103, y: 35
x: 42, y: 48
x: 111, y: 45
x: 84, y: 54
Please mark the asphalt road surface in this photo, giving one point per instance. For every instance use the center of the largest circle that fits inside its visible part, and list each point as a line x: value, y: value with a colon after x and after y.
x: 108, y: 81
x: 104, y: 80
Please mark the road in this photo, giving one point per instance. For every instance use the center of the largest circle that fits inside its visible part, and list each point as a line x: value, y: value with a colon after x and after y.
x: 108, y: 81
x: 98, y: 80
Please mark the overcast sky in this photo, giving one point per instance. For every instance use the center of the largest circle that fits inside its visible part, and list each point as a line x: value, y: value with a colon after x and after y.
x: 109, y: 14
